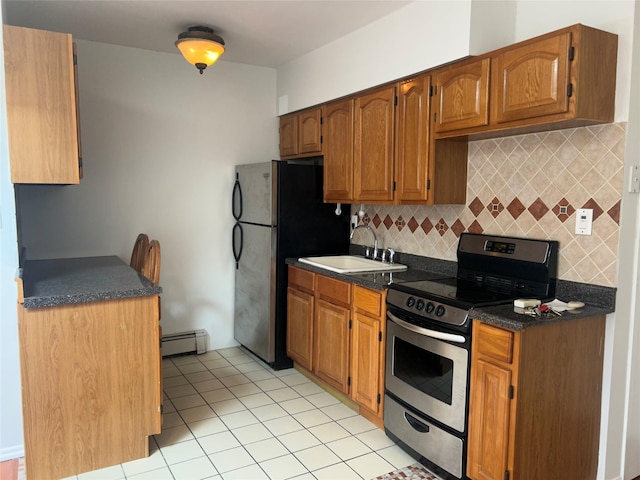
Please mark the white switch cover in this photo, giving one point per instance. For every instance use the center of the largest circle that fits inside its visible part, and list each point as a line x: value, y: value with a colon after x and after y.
x: 584, y: 221
x: 354, y: 221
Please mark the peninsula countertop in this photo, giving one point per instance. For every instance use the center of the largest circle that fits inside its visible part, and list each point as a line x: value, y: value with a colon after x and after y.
x: 64, y: 281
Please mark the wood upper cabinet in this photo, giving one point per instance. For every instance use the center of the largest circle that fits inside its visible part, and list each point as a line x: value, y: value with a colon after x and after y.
x: 412, y: 140
x: 566, y: 76
x: 534, y: 401
x: 462, y: 96
x: 300, y: 314
x: 42, y: 108
x: 373, y: 147
x: 301, y: 133
x: 338, y: 151
x: 288, y: 135
x: 533, y: 79
x: 331, y: 332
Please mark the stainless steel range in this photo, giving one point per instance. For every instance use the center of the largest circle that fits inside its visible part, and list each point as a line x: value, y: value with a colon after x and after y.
x: 429, y: 342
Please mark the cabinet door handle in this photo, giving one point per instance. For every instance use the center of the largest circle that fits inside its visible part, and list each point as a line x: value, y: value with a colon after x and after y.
x: 415, y: 423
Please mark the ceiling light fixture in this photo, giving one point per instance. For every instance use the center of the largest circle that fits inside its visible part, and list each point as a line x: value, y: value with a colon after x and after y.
x: 200, y: 46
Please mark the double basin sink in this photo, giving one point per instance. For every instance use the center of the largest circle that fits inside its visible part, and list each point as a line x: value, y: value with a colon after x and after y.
x: 351, y: 264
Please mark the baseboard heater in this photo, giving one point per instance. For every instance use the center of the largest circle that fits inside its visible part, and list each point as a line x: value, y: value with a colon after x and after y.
x: 194, y: 341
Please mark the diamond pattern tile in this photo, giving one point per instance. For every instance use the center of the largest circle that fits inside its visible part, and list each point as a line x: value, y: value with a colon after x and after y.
x: 540, y: 179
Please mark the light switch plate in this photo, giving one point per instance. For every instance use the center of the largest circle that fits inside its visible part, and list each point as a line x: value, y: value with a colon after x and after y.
x: 584, y: 221
x: 634, y: 179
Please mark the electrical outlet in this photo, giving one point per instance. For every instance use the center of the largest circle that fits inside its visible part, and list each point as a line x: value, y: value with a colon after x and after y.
x: 354, y: 221
x: 584, y: 221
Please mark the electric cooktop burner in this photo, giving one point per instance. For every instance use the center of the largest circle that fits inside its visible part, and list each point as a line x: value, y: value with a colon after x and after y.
x: 491, y: 270
x: 454, y: 291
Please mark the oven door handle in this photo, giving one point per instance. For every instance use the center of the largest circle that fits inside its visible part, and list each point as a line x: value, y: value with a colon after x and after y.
x: 449, y: 337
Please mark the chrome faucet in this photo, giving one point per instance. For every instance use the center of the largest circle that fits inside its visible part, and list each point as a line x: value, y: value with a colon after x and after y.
x: 375, y: 239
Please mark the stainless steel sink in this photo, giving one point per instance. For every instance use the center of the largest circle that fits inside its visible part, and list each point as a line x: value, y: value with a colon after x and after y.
x: 351, y: 264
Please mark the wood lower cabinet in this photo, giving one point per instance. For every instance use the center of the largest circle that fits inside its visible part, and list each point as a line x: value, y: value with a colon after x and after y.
x: 331, y: 340
x: 367, y: 352
x: 338, y: 330
x: 90, y: 378
x: 534, y: 409
x: 300, y: 313
x: 301, y: 133
x: 42, y: 106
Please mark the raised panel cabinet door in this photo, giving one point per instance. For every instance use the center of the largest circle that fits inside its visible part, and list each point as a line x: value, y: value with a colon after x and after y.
x: 331, y: 345
x: 337, y: 132
x: 300, y: 309
x: 412, y: 136
x: 489, y: 416
x: 288, y: 135
x: 42, y: 121
x: 533, y: 80
x: 462, y: 96
x: 310, y: 131
x: 373, y: 148
x: 365, y: 361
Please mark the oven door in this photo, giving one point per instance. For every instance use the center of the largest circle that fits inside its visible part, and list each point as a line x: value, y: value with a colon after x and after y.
x: 428, y: 370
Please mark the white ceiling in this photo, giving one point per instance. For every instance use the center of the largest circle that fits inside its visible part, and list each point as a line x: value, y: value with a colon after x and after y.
x: 261, y: 32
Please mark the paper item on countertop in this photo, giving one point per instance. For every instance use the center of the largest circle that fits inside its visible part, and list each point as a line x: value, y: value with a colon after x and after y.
x: 557, y: 305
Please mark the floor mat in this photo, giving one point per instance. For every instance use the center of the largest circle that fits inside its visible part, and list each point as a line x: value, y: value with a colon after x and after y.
x: 412, y: 472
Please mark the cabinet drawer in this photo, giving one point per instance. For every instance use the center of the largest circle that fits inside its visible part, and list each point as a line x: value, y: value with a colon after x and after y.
x: 369, y: 301
x: 494, y: 342
x: 303, y: 279
x: 334, y: 290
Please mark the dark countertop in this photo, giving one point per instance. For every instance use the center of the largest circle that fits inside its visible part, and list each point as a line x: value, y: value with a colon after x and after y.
x: 599, y: 300
x: 67, y: 281
x: 505, y: 317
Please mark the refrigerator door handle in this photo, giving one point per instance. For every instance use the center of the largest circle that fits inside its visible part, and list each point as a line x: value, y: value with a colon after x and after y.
x: 237, y: 194
x: 237, y: 249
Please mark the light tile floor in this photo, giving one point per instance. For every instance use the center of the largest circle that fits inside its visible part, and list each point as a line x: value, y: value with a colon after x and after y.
x: 229, y: 416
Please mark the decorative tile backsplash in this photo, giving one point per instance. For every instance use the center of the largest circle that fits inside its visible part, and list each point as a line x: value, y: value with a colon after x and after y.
x: 525, y: 186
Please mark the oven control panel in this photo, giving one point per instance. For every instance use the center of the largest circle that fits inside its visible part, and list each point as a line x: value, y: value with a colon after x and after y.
x: 425, y: 308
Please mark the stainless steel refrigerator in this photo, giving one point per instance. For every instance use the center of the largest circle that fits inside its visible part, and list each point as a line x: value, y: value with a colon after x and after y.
x: 279, y: 213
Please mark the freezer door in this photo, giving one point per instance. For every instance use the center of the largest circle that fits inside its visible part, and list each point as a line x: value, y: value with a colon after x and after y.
x: 253, y: 196
x: 254, y: 296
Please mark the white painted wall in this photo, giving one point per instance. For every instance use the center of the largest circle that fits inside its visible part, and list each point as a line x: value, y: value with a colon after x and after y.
x: 485, y: 15
x: 417, y: 37
x: 11, y: 440
x: 160, y: 143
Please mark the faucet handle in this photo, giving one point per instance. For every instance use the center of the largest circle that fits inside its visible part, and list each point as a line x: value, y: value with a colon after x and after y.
x: 391, y: 253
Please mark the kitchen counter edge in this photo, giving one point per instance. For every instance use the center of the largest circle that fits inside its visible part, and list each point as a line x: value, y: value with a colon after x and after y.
x: 68, y: 281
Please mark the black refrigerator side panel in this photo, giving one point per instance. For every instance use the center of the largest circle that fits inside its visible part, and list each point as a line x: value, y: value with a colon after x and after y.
x: 306, y: 226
